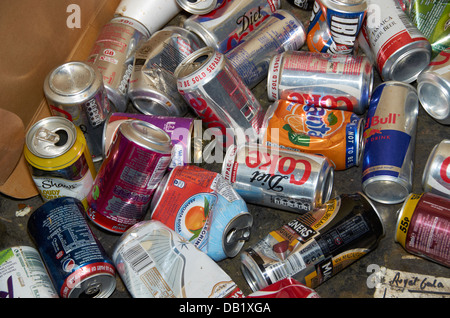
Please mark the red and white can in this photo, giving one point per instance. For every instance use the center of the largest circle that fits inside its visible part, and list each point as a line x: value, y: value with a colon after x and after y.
x: 285, y: 288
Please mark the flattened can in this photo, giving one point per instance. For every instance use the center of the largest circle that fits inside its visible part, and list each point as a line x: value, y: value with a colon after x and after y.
x: 423, y: 226
x: 214, y: 90
x: 433, y: 87
x: 113, y: 55
x: 389, y: 136
x: 23, y: 274
x: 335, y: 24
x: 200, y: 6
x: 317, y: 245
x: 153, y: 87
x: 335, y: 81
x: 75, y: 91
x: 436, y: 174
x: 156, y: 262
x: 134, y: 165
x: 59, y: 159
x: 226, y: 27
x: 201, y: 206
x: 280, y: 32
x: 335, y: 134
x: 400, y: 50
x: 76, y: 261
x: 282, y: 179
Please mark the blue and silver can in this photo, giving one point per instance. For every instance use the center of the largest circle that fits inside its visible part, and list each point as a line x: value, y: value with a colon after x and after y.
x: 77, y: 263
x: 389, y: 137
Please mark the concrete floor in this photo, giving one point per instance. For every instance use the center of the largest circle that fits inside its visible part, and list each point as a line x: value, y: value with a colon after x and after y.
x: 349, y: 283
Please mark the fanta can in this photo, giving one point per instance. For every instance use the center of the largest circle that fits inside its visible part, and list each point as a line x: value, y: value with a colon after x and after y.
x: 336, y: 134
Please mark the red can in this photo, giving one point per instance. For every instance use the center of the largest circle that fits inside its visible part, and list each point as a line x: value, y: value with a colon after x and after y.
x: 285, y: 288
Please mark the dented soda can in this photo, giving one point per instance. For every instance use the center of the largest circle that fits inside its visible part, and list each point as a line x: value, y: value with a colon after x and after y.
x: 400, y: 50
x: 134, y: 165
x: 227, y: 26
x: 317, y: 245
x: 156, y: 262
x: 335, y: 134
x: 153, y: 87
x: 335, y: 25
x: 282, y: 179
x: 202, y: 206
x: 285, y: 288
x: 433, y: 87
x: 280, y: 32
x: 436, y: 174
x: 23, y: 274
x: 76, y: 261
x: 217, y: 94
x: 335, y: 81
x: 200, y: 6
x: 389, y: 136
x: 59, y: 159
x: 75, y: 91
x: 113, y: 55
x: 423, y: 226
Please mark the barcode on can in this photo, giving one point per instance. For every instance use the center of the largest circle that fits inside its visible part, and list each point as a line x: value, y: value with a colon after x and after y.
x: 137, y: 258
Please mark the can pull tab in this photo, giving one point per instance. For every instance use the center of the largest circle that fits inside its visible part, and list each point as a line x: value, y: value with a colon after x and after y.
x: 46, y: 135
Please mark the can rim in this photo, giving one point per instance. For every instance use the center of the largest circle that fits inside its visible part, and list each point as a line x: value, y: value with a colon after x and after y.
x: 195, y: 8
x: 107, y: 278
x: 273, y: 86
x: 131, y: 129
x: 182, y: 70
x: 384, y: 178
x: 145, y: 101
x: 433, y: 81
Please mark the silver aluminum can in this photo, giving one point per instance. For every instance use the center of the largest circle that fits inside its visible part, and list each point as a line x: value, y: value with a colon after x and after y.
x: 281, y: 32
x: 389, y: 137
x: 200, y: 6
x: 113, y: 55
x: 227, y: 26
x: 337, y: 81
x: 436, y: 175
x: 433, y: 88
x: 282, y: 179
x: 153, y: 87
x: 401, y: 51
x: 75, y: 90
x: 214, y: 90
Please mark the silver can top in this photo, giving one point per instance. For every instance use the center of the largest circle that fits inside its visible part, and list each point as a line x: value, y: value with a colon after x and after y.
x: 199, y: 6
x: 147, y: 135
x: 195, y: 62
x: 51, y: 137
x: 236, y: 233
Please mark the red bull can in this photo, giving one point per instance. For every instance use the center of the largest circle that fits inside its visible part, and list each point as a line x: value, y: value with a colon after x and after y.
x: 287, y: 180
x: 423, y: 226
x: 134, y: 166
x: 389, y: 136
x: 77, y: 263
x: 333, y: 81
x: 436, y: 175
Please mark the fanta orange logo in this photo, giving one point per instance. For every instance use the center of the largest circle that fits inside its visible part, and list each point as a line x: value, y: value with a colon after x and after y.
x: 326, y: 101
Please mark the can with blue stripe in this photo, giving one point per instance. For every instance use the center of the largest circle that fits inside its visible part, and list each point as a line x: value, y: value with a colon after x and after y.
x: 77, y: 263
x: 389, y: 137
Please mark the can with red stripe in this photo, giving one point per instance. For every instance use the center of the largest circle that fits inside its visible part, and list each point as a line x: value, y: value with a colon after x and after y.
x: 423, y: 227
x: 436, y: 175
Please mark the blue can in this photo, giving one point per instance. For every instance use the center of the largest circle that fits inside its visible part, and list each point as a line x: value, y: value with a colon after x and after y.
x: 389, y: 137
x: 77, y: 263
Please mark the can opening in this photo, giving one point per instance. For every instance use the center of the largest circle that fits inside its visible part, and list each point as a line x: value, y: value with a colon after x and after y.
x: 201, y: 59
x: 63, y: 137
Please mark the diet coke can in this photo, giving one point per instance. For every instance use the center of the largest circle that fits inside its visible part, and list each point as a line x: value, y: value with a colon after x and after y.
x: 436, y: 175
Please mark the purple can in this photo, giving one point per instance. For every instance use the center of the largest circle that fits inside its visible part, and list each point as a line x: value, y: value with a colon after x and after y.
x: 134, y: 165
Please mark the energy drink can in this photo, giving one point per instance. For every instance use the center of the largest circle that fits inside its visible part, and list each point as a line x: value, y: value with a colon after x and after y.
x: 400, y: 50
x: 335, y: 134
x: 214, y: 90
x: 389, y: 136
x: 59, y: 159
x: 335, y: 24
x: 113, y: 55
x: 156, y: 262
x: 280, y: 32
x: 134, y: 165
x: 317, y: 245
x: 23, y: 274
x: 200, y: 6
x: 153, y: 87
x: 436, y: 175
x: 76, y: 261
x: 433, y: 87
x: 201, y: 206
x: 226, y: 27
x: 423, y: 226
x: 335, y: 81
x: 282, y: 179
x: 75, y: 91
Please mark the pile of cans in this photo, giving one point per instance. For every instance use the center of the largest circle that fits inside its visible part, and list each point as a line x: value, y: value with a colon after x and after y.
x: 190, y: 87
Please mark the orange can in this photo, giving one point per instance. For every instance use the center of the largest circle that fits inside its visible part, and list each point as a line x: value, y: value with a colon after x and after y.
x: 336, y: 134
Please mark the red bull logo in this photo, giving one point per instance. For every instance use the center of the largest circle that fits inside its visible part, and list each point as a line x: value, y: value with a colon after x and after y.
x: 370, y: 130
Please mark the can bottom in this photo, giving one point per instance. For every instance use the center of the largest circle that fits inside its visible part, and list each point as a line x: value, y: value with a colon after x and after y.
x: 386, y: 190
x: 406, y: 65
x: 435, y: 99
